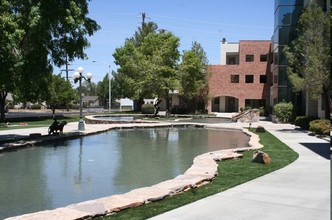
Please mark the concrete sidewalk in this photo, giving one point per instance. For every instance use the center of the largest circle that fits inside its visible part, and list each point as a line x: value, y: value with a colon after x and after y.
x: 299, y: 191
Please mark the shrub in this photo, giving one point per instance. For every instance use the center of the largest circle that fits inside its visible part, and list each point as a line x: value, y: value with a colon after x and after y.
x: 283, y: 111
x: 303, y: 121
x: 320, y: 126
x: 262, y: 111
x: 147, y: 109
x: 36, y: 106
x: 179, y: 110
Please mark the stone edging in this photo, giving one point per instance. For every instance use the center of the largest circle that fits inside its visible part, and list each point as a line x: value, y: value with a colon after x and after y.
x: 202, y: 171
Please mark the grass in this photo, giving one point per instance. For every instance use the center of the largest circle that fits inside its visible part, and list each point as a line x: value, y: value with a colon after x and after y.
x: 36, y: 123
x: 230, y: 173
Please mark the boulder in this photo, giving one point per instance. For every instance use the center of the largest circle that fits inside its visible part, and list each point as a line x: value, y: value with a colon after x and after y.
x: 260, y: 129
x: 261, y: 157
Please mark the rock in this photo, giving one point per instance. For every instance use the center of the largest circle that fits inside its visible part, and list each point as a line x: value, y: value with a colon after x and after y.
x: 260, y: 129
x: 261, y: 157
x: 35, y: 135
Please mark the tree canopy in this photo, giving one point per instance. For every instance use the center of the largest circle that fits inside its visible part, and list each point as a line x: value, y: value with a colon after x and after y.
x: 148, y: 63
x: 193, y: 77
x: 149, y: 67
x: 36, y: 34
x: 60, y: 93
x: 309, y: 55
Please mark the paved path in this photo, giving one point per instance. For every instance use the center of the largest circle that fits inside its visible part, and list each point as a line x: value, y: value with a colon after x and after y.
x: 298, y: 191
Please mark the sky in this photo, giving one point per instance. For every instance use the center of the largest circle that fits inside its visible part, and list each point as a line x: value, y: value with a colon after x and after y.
x: 206, y: 22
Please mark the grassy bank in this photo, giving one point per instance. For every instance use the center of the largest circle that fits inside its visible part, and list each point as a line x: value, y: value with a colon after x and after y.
x: 230, y: 174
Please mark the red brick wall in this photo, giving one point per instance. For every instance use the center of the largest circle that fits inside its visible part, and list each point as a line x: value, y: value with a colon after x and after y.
x: 220, y: 75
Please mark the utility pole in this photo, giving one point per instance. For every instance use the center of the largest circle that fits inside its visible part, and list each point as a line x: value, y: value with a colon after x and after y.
x: 143, y: 19
x: 67, y: 69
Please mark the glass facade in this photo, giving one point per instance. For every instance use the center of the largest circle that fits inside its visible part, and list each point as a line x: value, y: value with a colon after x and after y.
x: 286, y: 16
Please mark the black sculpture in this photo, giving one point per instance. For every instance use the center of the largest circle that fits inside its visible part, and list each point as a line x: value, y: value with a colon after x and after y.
x: 157, y: 107
x: 56, y: 127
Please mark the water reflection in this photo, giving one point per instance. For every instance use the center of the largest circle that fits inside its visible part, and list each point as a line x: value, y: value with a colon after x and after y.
x: 100, y: 165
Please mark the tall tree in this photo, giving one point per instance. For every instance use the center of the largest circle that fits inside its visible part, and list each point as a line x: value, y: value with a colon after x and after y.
x: 194, y: 78
x: 60, y: 93
x: 126, y: 58
x: 52, y: 31
x: 158, y: 63
x: 103, y: 89
x: 309, y: 56
x: 10, y: 35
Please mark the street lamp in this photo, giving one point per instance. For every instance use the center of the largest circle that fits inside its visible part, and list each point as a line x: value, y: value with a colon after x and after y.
x: 77, y: 76
x: 109, y: 85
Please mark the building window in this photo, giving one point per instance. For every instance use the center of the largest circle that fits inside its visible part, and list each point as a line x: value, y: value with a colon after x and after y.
x: 263, y: 57
x: 235, y: 78
x: 216, y: 101
x: 231, y: 60
x: 249, y: 78
x: 249, y: 58
x: 262, y: 79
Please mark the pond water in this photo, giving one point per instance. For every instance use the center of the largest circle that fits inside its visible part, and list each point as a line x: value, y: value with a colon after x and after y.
x: 117, y: 118
x: 91, y: 167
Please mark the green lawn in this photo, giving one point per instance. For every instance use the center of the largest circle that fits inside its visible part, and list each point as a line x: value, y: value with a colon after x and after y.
x: 230, y: 174
x: 36, y: 123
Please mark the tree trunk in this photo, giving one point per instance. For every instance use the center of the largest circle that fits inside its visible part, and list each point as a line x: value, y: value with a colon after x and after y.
x: 53, y: 110
x: 326, y: 97
x: 3, y: 96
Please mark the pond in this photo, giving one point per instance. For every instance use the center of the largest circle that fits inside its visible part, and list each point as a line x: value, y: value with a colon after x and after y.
x: 105, y: 164
x: 117, y: 118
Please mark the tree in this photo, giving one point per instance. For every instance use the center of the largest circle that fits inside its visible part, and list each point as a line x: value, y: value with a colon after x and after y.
x: 157, y: 64
x: 46, y: 33
x: 309, y: 56
x: 103, y: 90
x: 193, y: 77
x: 10, y: 35
x: 147, y: 64
x: 87, y: 89
x: 60, y: 93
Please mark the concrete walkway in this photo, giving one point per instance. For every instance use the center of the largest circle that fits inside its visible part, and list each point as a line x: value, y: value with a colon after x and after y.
x: 299, y: 191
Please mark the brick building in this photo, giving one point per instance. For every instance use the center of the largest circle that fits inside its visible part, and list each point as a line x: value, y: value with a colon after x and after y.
x: 243, y: 79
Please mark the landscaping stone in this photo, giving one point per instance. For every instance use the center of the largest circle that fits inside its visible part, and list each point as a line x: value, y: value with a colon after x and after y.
x: 260, y: 129
x: 35, y: 135
x: 149, y: 194
x: 261, y: 157
x: 117, y: 203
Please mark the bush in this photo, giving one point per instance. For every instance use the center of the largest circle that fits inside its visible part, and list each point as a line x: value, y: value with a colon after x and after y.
x: 262, y: 111
x: 320, y: 126
x: 36, y: 106
x: 179, y: 110
x: 303, y: 121
x: 283, y: 111
x: 147, y: 109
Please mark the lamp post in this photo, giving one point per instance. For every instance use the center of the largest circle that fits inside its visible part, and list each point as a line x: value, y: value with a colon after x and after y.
x: 77, y: 76
x: 109, y: 85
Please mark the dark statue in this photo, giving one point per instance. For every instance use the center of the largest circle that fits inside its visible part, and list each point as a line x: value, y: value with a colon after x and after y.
x: 56, y: 127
